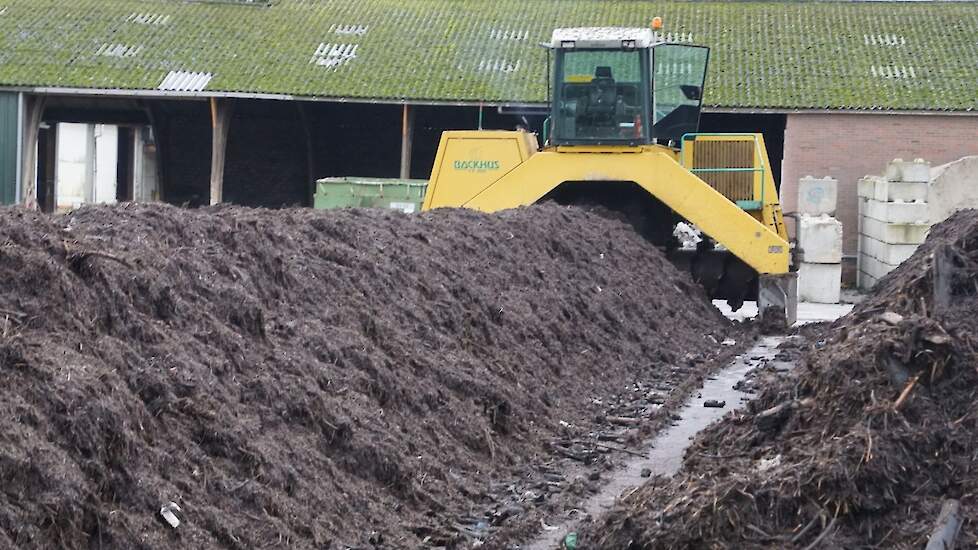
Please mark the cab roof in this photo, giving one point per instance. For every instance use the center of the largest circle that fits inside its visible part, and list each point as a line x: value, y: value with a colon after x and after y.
x: 603, y: 37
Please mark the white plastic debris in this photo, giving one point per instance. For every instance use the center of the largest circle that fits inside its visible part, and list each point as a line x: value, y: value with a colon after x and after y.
x: 728, y: 342
x: 766, y: 464
x: 687, y: 234
x: 167, y: 512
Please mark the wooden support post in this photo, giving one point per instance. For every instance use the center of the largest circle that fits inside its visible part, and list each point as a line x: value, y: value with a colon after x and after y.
x: 33, y: 112
x: 156, y: 124
x: 407, y: 138
x: 220, y: 121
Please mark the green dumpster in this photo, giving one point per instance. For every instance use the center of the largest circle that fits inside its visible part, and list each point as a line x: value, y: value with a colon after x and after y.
x: 405, y: 195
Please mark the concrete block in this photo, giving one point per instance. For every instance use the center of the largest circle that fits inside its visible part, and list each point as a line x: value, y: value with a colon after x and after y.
x: 892, y: 254
x: 817, y: 196
x: 874, y: 267
x: 865, y: 281
x: 900, y: 191
x: 953, y: 186
x: 866, y: 186
x: 893, y: 170
x: 897, y: 212
x: 893, y: 233
x: 820, y: 283
x: 917, y: 171
x: 884, y: 190
x: 820, y: 237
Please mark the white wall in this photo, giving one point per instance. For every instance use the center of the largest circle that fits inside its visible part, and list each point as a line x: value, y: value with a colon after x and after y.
x: 74, y: 170
x: 106, y: 163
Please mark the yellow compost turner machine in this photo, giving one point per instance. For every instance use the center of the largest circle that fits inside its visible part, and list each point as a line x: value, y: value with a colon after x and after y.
x: 622, y: 134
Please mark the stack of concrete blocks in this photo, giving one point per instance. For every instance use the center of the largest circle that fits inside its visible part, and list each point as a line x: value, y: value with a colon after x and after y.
x: 820, y: 240
x: 893, y: 218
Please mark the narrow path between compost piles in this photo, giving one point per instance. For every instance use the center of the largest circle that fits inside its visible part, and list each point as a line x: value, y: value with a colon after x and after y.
x: 664, y: 454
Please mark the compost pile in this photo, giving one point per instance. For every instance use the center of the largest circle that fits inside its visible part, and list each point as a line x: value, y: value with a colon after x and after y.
x: 861, y: 445
x: 322, y: 379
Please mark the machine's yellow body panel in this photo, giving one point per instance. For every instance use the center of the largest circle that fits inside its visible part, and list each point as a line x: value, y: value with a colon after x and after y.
x: 495, y: 170
x: 469, y: 161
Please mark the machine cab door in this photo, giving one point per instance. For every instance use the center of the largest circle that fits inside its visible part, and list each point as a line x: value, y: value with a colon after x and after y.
x: 678, y: 76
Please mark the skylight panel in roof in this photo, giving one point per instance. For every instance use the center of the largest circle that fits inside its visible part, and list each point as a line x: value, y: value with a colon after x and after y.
x: 118, y: 50
x: 185, y: 81
x: 148, y: 18
x: 509, y: 34
x: 357, y: 30
x: 893, y: 71
x: 499, y: 65
x: 884, y: 40
x: 674, y: 68
x: 334, y: 55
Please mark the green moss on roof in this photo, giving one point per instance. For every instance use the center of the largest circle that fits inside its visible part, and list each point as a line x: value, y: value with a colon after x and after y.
x: 778, y: 55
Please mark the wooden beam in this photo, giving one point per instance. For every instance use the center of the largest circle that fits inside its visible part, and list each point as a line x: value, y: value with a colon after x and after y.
x: 407, y: 139
x: 33, y: 112
x: 159, y: 128
x: 220, y: 121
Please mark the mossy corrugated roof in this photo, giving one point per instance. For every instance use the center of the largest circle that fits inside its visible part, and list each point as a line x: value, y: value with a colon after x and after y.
x: 774, y: 55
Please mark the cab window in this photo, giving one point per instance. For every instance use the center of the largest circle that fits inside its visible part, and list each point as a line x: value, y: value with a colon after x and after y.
x: 600, y: 95
x: 678, y: 74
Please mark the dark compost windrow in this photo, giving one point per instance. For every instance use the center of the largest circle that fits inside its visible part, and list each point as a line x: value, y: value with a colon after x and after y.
x: 860, y: 446
x: 310, y: 378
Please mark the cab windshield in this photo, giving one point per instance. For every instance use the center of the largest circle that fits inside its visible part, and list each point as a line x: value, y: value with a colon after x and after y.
x: 600, y: 96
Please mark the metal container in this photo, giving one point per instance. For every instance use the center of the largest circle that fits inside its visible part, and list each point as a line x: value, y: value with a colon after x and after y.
x: 405, y: 195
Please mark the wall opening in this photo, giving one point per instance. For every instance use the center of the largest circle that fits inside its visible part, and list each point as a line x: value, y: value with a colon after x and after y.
x: 84, y: 163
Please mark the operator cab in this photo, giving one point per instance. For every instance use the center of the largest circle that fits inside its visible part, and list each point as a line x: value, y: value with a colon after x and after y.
x: 624, y: 86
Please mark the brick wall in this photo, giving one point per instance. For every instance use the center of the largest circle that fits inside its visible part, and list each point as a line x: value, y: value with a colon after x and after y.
x: 848, y: 146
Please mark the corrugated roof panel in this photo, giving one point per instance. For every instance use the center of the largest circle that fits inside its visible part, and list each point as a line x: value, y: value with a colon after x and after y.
x: 765, y: 54
x: 185, y: 81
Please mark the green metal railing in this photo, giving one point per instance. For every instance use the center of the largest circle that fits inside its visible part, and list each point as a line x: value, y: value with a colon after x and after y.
x: 746, y: 205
